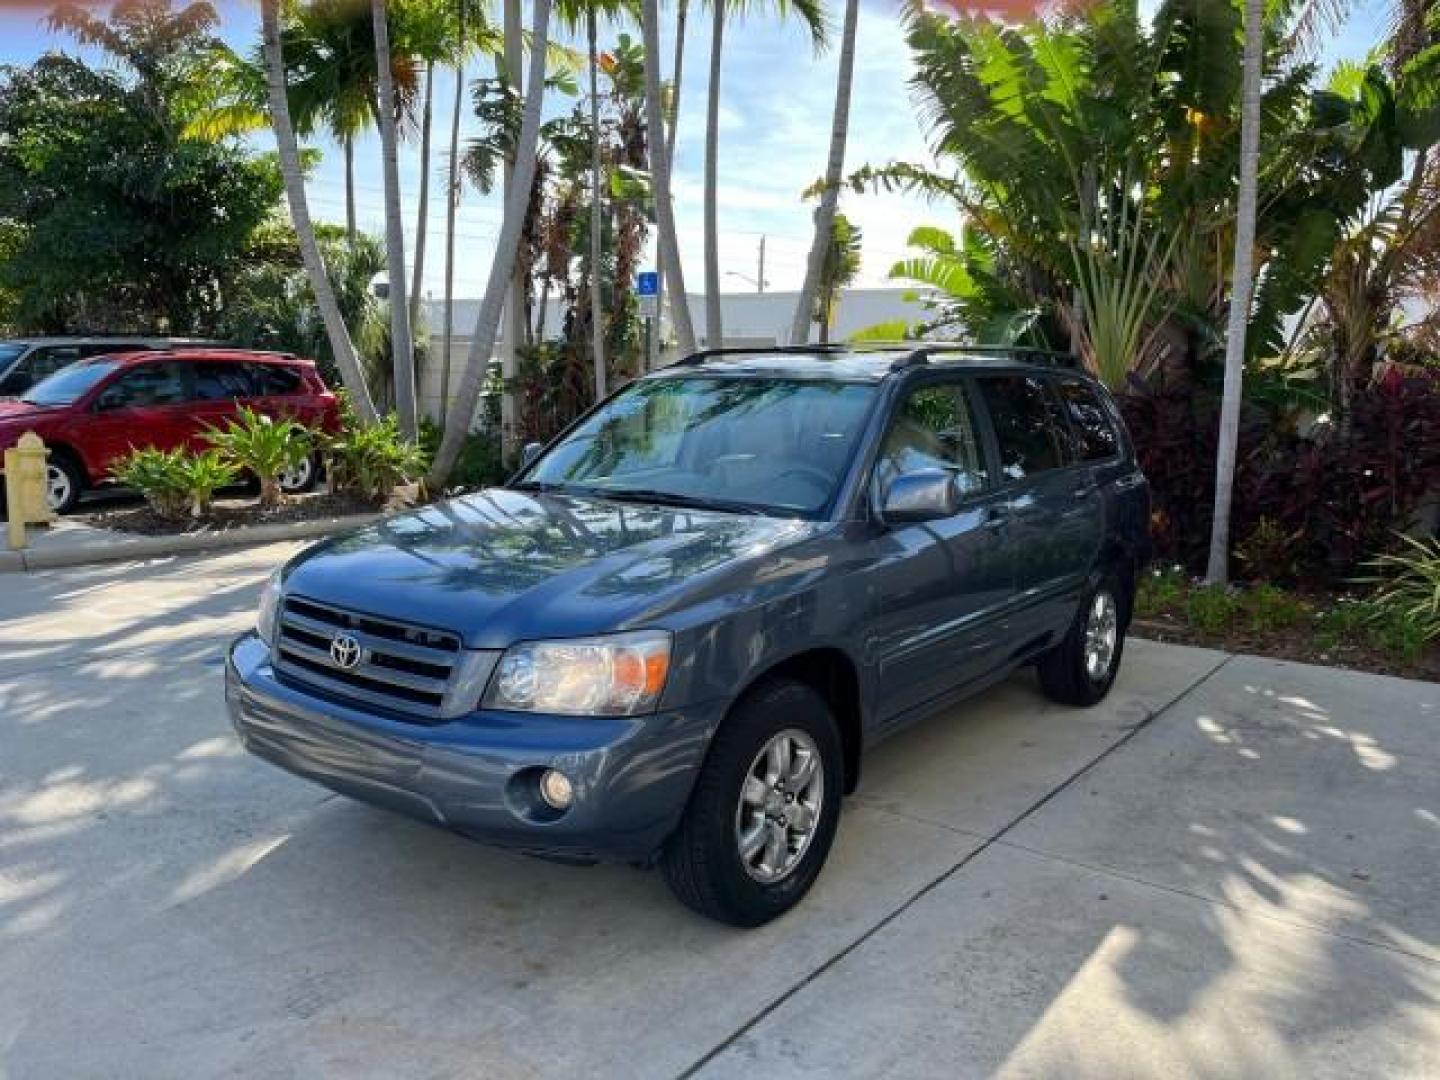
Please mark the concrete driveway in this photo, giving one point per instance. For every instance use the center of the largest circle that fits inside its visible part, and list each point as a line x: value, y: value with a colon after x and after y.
x: 1228, y: 869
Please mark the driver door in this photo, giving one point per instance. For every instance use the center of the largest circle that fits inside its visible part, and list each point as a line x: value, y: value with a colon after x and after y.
x: 940, y: 586
x: 145, y: 406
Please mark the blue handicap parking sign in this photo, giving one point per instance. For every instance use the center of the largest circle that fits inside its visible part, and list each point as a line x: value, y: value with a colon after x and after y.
x: 647, y: 283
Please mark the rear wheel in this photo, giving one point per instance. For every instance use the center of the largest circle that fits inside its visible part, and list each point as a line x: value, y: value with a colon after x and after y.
x: 1081, y: 669
x: 763, y: 814
x: 300, y: 477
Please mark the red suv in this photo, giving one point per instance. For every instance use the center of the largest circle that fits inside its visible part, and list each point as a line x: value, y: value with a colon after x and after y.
x: 94, y: 412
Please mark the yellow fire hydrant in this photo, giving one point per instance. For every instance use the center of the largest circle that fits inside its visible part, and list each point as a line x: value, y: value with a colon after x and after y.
x: 25, y: 487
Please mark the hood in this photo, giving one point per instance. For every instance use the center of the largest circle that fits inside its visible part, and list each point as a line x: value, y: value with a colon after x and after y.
x: 13, y: 409
x: 504, y: 566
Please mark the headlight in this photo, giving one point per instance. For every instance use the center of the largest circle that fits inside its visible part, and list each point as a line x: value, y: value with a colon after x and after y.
x: 269, y: 615
x: 615, y: 675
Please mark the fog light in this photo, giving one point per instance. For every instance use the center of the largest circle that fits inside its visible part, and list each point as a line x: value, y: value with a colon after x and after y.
x: 555, y: 789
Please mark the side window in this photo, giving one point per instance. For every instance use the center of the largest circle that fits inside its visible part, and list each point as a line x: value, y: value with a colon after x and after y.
x: 1091, y: 422
x: 219, y: 381
x: 1031, y: 435
x: 274, y: 380
x: 154, y: 384
x: 934, y: 428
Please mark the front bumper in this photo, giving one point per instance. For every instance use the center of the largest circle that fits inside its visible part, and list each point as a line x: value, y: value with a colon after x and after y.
x: 476, y: 774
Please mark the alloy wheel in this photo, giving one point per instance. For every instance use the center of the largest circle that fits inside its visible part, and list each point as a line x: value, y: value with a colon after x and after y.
x: 779, y: 807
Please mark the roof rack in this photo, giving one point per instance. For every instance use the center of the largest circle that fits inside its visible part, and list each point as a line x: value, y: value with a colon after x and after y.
x: 917, y: 353
x: 924, y: 352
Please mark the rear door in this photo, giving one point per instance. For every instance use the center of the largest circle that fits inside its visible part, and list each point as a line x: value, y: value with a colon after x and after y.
x: 219, y: 387
x: 1051, y: 499
x: 940, y: 586
x: 281, y: 391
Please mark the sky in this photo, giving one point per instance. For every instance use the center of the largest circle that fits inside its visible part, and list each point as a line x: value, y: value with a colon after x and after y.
x: 776, y: 107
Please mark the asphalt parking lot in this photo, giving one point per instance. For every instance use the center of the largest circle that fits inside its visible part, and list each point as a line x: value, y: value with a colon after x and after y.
x: 1230, y: 868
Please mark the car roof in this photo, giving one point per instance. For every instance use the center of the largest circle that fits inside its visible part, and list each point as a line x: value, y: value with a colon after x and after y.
x: 863, y: 364
x: 248, y: 355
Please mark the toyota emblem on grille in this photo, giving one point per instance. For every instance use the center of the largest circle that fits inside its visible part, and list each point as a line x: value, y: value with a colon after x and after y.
x: 344, y: 651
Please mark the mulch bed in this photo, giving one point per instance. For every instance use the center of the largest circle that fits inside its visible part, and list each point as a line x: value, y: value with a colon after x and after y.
x: 227, y: 514
x: 1293, y: 643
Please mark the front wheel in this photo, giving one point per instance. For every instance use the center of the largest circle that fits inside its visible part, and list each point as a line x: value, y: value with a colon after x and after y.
x: 64, y: 484
x: 763, y: 814
x: 1082, y: 667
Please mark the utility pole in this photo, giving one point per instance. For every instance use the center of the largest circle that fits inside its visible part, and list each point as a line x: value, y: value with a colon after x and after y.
x: 760, y: 275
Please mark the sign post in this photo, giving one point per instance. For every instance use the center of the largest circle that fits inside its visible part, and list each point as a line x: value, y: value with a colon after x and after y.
x: 647, y: 289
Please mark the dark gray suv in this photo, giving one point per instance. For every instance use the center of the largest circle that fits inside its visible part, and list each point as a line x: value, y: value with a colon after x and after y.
x: 674, y: 634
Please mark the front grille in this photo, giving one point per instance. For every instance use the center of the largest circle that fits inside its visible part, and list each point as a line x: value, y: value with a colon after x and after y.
x: 401, y: 667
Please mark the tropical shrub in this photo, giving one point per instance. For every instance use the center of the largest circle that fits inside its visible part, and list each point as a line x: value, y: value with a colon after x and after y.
x: 201, y: 476
x: 1409, y: 587
x: 369, y: 462
x: 173, y: 480
x: 1308, y: 508
x: 264, y: 447
x: 158, y: 475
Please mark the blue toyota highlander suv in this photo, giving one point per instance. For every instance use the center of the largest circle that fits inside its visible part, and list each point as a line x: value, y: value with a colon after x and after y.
x: 673, y: 636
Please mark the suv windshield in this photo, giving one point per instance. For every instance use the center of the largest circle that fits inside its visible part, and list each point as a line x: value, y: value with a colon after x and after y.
x: 68, y: 385
x: 10, y: 352
x: 769, y: 445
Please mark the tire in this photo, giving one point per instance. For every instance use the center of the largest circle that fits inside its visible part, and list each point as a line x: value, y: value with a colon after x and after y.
x: 302, y: 478
x: 703, y: 861
x: 1072, y: 672
x: 64, y: 483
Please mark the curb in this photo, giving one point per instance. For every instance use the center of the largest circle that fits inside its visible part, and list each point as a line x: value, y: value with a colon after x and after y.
x: 147, y: 547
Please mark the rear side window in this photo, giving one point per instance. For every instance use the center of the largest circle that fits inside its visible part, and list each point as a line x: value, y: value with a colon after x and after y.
x: 218, y: 381
x: 934, y: 428
x: 1096, y: 434
x: 1028, y: 428
x: 148, y: 386
x: 273, y: 380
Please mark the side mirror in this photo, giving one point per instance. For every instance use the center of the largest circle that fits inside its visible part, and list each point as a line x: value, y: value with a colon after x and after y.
x: 108, y: 401
x: 530, y: 453
x: 923, y: 495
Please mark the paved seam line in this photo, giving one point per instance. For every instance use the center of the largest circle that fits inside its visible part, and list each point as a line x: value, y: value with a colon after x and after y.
x: 745, y: 1028
x: 1241, y: 909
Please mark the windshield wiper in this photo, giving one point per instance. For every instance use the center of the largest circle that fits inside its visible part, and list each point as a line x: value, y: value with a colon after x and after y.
x: 674, y: 498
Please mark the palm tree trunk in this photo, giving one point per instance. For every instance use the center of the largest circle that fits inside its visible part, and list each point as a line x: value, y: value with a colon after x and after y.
x: 1218, y: 570
x: 422, y: 213
x: 597, y: 322
x: 341, y: 347
x: 516, y: 326
x: 349, y: 144
x: 714, y: 331
x: 660, y: 178
x: 682, y: 11
x: 825, y: 215
x: 517, y: 202
x: 452, y: 204
x: 402, y: 348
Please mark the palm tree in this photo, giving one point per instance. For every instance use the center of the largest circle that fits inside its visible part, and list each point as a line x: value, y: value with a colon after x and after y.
x: 660, y: 178
x: 342, y: 348
x: 517, y: 200
x: 830, y: 195
x: 401, y: 342
x: 812, y: 14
